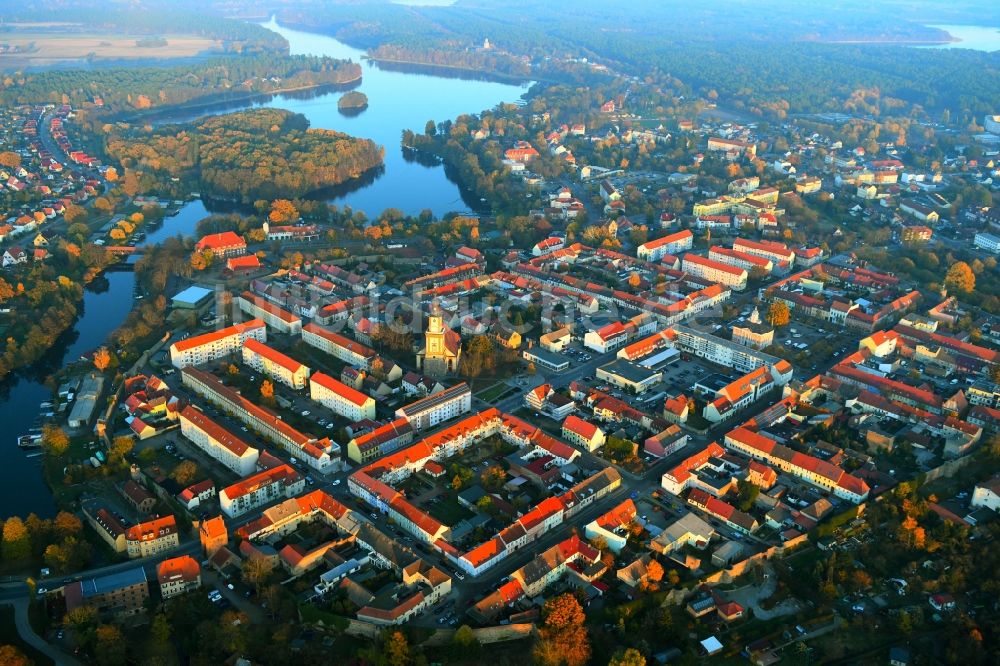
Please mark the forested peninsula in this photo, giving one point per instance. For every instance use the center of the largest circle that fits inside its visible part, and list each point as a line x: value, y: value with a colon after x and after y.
x: 245, y: 156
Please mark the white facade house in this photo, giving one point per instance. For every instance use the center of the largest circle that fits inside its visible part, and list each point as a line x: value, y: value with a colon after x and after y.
x: 275, y: 365
x: 218, y: 442
x: 217, y: 344
x: 341, y: 398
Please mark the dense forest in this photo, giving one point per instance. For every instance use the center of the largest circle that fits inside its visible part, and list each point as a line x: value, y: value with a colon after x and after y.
x: 44, y: 300
x: 127, y: 89
x: 249, y: 155
x: 770, y: 58
x: 473, y: 59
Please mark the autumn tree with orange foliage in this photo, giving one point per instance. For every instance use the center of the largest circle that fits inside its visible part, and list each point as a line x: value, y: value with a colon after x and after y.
x: 102, y: 359
x: 283, y: 211
x: 563, y: 639
x: 267, y: 390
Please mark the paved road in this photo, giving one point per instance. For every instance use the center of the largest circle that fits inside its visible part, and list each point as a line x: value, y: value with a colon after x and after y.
x: 29, y: 636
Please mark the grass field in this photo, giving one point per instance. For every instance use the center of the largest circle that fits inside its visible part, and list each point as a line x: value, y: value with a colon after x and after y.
x: 44, y: 46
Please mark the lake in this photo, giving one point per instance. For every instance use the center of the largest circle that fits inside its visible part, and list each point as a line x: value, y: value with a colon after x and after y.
x: 976, y: 37
x: 399, y: 98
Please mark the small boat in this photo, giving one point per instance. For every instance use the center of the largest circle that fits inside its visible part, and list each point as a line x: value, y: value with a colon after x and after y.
x: 45, y: 405
x: 29, y: 441
x: 36, y: 454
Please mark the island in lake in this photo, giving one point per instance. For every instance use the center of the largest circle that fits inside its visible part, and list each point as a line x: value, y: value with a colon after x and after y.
x: 352, y: 103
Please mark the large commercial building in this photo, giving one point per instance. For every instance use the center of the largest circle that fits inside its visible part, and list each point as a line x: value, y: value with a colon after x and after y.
x: 275, y: 365
x: 218, y: 442
x: 217, y: 344
x: 277, y: 318
x: 336, y: 345
x: 253, y: 492
x: 341, y: 398
x: 321, y: 454
x: 434, y: 409
x: 628, y: 375
x: 715, y: 271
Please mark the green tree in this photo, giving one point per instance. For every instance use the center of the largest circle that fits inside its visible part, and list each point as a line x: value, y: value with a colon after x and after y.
x: 464, y: 643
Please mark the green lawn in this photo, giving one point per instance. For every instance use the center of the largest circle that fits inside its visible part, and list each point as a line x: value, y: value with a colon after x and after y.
x: 448, y: 511
x: 495, y: 392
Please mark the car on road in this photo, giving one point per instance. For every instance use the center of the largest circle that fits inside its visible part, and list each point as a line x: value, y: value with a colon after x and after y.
x: 336, y: 482
x: 306, y: 412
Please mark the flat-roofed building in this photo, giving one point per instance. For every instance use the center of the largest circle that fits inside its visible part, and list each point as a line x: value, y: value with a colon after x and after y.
x: 341, y: 398
x: 217, y: 344
x: 434, y: 409
x: 275, y: 364
x: 218, y: 442
x: 629, y: 375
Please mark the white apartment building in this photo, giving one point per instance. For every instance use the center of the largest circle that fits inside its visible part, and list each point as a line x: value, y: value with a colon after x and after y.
x: 255, y: 491
x: 341, y: 398
x: 776, y: 252
x: 336, y: 345
x: 218, y: 442
x: 434, y: 409
x: 655, y: 250
x: 988, y: 242
x: 277, y: 318
x: 709, y: 269
x: 275, y: 365
x: 740, y: 259
x: 217, y: 344
x: 721, y: 351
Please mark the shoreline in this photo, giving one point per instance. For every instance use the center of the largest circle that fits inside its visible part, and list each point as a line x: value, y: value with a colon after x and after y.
x: 459, y: 68
x: 225, y: 98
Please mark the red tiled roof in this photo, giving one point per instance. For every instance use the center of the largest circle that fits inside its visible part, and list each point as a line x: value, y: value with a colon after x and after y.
x: 225, y: 438
x: 273, y: 355
x: 343, y: 390
x: 208, y: 338
x: 224, y: 240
